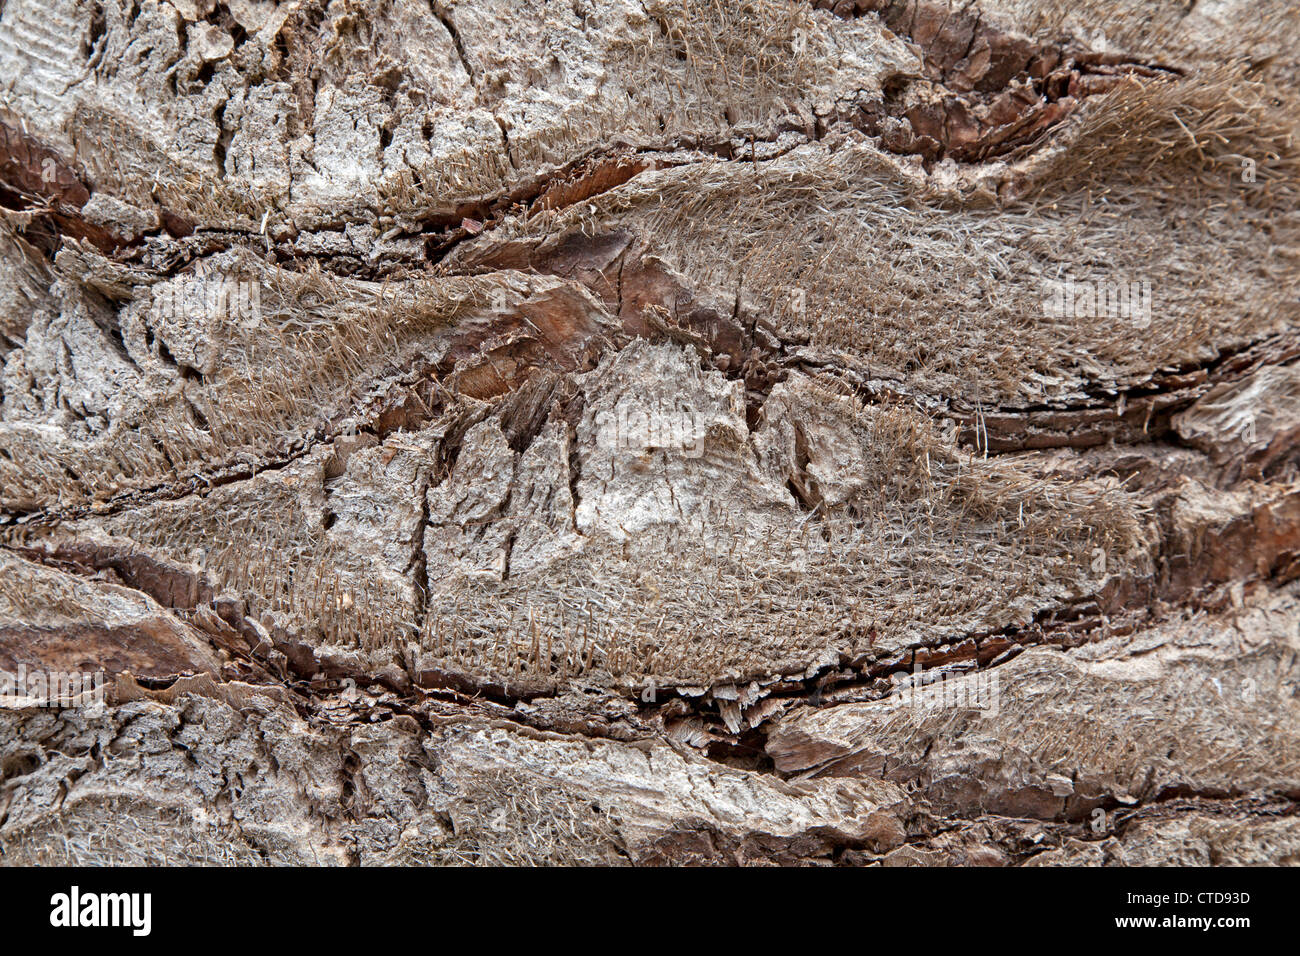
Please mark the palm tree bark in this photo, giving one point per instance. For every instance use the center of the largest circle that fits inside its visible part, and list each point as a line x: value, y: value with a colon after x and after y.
x: 650, y: 431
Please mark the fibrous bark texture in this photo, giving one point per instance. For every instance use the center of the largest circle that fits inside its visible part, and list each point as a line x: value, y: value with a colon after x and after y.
x: 651, y: 431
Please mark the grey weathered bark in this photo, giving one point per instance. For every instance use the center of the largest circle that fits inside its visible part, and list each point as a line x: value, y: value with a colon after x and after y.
x: 651, y: 431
